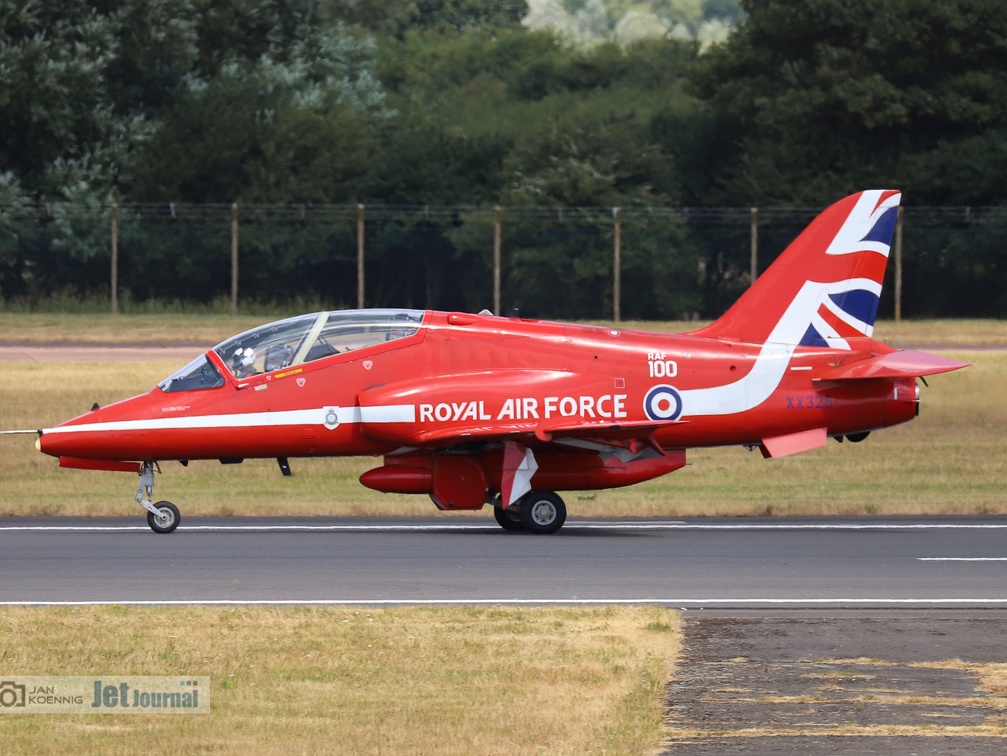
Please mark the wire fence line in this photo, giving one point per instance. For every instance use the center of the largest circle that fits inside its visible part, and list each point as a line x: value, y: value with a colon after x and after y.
x: 590, y: 262
x: 176, y: 211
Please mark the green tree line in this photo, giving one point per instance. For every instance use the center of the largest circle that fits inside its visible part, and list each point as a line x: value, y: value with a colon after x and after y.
x: 459, y: 104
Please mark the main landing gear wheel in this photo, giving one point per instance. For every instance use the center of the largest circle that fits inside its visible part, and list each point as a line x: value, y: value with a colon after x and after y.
x: 508, y: 519
x: 542, y: 512
x: 166, y: 519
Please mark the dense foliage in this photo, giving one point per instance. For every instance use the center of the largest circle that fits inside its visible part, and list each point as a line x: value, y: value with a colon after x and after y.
x: 457, y: 103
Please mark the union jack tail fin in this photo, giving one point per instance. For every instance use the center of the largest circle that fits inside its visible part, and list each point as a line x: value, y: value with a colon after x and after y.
x: 825, y: 287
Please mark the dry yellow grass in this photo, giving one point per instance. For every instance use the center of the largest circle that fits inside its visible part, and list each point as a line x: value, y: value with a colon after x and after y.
x: 203, y: 328
x: 47, y: 328
x: 992, y: 676
x: 487, y: 680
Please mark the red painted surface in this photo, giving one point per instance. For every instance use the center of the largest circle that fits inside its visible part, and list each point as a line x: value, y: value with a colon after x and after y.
x: 789, y: 365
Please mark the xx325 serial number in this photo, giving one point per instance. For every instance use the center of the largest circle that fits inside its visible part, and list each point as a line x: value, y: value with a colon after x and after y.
x: 809, y: 401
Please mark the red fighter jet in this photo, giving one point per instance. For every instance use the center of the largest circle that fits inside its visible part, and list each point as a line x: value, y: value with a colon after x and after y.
x: 477, y: 409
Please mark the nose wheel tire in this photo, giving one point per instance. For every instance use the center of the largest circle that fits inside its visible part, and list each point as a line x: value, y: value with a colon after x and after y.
x: 542, y: 512
x: 166, y: 519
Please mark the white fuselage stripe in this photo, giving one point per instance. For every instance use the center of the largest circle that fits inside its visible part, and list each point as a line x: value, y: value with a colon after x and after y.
x: 771, y: 365
x: 396, y: 413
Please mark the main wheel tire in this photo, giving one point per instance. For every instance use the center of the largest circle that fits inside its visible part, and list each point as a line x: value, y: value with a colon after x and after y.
x: 166, y: 520
x: 508, y: 519
x: 542, y: 512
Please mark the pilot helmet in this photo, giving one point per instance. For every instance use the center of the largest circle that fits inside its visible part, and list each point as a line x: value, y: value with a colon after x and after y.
x: 243, y: 358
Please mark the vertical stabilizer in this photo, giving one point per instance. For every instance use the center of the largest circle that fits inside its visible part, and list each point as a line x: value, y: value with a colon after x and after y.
x: 825, y: 287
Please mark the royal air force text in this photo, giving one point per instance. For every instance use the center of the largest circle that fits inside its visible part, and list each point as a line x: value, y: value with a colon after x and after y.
x: 604, y: 407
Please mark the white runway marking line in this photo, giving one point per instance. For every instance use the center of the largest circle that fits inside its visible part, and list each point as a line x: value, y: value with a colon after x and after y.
x: 670, y: 602
x: 962, y: 559
x: 615, y: 525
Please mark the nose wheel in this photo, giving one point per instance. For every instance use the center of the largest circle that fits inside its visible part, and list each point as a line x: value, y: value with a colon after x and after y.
x: 162, y: 517
x: 166, y: 519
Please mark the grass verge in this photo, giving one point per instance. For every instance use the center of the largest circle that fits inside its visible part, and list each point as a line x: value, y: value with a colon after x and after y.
x: 214, y: 327
x: 488, y: 680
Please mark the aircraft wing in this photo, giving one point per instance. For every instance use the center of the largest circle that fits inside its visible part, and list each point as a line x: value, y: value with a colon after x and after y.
x: 610, y: 432
x: 905, y: 363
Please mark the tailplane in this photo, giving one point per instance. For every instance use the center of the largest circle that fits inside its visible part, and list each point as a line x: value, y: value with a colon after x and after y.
x: 825, y: 287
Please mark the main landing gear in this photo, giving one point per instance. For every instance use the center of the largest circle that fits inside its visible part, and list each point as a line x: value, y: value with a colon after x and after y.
x: 540, y: 512
x: 163, y: 517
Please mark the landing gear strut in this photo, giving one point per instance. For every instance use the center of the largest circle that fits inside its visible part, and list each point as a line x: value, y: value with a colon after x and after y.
x: 162, y: 517
x: 540, y: 512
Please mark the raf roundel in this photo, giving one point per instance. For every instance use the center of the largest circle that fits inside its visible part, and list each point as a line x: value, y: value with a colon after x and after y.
x: 331, y: 418
x: 663, y: 403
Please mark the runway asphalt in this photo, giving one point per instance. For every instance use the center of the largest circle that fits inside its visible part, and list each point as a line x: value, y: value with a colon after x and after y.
x: 906, y: 563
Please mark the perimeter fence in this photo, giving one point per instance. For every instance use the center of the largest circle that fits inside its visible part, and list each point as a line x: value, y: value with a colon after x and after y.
x: 634, y: 263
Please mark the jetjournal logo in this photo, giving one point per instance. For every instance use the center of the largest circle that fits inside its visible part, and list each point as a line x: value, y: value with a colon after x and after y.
x: 138, y: 694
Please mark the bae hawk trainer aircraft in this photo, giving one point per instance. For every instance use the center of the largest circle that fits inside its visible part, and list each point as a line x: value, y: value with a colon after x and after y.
x: 477, y: 409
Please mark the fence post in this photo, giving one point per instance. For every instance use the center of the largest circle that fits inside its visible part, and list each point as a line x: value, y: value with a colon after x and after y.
x: 497, y: 242
x: 115, y: 257
x: 234, y: 259
x: 898, y: 266
x: 617, y: 265
x: 755, y: 243
x: 360, y: 256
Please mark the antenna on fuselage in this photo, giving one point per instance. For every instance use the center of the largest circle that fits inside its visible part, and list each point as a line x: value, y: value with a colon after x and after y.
x: 515, y: 310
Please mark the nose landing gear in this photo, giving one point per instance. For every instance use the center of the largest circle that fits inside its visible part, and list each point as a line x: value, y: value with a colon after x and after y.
x: 163, y: 517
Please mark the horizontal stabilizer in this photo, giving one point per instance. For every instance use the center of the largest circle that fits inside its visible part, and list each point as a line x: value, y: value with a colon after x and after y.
x: 902, y: 364
x: 781, y: 446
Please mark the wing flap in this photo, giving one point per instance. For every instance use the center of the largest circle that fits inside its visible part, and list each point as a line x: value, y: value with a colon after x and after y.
x: 793, y: 443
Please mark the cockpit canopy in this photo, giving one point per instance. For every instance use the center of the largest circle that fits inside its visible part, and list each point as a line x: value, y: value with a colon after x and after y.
x: 295, y: 341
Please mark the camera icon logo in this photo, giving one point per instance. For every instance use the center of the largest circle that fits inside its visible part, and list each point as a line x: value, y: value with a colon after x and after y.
x: 11, y: 694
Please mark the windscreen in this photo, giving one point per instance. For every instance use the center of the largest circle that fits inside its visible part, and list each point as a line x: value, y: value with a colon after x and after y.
x: 198, y: 374
x: 307, y: 338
